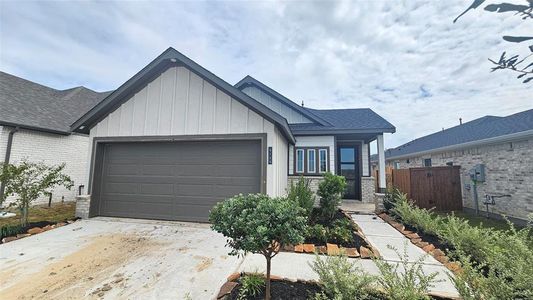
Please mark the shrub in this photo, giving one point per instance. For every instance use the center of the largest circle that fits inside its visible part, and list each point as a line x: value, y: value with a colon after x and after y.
x: 301, y: 194
x: 318, y: 232
x: 10, y: 230
x: 341, y: 232
x: 28, y: 181
x: 341, y: 279
x: 330, y: 191
x: 259, y: 224
x: 251, y: 285
x: 421, y: 219
x: 409, y: 283
x: 391, y: 196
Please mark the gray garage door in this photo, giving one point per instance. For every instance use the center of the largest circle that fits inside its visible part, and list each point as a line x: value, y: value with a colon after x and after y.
x: 175, y: 180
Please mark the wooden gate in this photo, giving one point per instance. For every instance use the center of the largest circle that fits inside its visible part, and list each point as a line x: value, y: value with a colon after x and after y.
x: 433, y: 187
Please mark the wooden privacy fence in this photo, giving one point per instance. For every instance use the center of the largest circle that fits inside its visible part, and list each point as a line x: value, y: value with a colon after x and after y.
x: 438, y: 187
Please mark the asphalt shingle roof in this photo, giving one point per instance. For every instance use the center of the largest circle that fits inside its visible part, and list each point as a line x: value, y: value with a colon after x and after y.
x: 358, y: 119
x: 32, y: 105
x: 475, y: 130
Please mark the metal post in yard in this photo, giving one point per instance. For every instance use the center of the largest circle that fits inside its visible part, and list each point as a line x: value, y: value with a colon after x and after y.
x: 49, y: 199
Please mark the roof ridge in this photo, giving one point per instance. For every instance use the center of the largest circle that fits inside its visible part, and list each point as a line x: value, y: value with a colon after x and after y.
x: 29, y: 81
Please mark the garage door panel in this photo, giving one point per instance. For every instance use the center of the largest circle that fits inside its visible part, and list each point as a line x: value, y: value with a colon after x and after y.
x: 178, y: 180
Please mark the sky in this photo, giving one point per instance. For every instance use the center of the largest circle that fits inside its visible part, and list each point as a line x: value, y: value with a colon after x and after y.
x: 406, y: 60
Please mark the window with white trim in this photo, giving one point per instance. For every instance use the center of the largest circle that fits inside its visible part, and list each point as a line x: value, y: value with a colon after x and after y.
x: 311, y: 161
x: 323, y: 160
x: 300, y: 160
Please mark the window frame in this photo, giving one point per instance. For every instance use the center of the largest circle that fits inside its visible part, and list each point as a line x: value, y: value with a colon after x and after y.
x: 306, y: 150
x: 296, y: 162
x: 430, y: 163
x: 311, y: 163
x: 320, y: 151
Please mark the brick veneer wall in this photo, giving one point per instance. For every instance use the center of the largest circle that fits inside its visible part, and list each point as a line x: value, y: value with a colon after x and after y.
x: 508, y: 169
x: 51, y: 149
x: 367, y: 186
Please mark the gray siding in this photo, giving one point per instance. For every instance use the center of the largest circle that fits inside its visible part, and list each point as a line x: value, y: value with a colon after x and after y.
x: 292, y: 115
x: 179, y: 102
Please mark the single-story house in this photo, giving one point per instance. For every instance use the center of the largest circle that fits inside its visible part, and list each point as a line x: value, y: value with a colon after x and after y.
x: 502, y: 145
x: 175, y: 139
x: 35, y: 125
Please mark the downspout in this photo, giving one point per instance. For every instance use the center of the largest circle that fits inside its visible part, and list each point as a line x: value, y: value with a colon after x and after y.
x: 7, y: 156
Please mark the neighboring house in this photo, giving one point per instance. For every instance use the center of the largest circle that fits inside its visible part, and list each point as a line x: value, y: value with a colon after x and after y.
x: 175, y: 139
x: 35, y: 125
x: 504, y: 145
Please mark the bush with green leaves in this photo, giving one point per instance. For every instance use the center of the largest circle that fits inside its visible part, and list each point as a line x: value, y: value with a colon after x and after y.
x: 421, y: 219
x: 391, y: 196
x: 301, y: 194
x: 330, y: 190
x: 28, y: 181
x: 259, y: 224
x: 251, y: 285
x: 406, y: 279
x: 496, y: 263
x: 341, y: 279
x: 340, y: 231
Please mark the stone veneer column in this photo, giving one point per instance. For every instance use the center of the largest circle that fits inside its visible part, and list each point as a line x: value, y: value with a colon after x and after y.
x: 83, y: 203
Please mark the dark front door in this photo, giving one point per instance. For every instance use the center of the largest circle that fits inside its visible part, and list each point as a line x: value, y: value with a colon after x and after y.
x: 348, y: 166
x: 175, y: 180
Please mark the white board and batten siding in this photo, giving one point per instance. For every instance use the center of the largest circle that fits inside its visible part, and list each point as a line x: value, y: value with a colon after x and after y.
x: 179, y: 102
x: 314, y: 141
x: 292, y: 115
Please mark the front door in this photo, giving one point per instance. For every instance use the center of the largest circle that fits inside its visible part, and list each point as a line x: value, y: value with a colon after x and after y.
x: 348, y: 166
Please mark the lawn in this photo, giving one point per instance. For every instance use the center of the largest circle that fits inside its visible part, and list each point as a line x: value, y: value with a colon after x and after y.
x: 481, y: 220
x: 56, y: 213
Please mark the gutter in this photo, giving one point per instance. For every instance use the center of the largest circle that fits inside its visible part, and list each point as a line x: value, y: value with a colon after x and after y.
x: 493, y: 140
x: 7, y: 157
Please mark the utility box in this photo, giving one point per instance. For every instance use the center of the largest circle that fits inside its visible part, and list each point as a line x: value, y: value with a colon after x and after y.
x: 477, y: 173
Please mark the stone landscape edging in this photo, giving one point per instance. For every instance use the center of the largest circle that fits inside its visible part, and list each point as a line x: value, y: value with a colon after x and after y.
x: 415, y: 239
x: 36, y: 230
x: 335, y: 249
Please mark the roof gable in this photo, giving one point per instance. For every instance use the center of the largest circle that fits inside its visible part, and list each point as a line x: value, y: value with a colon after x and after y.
x: 248, y: 83
x: 476, y: 130
x: 170, y: 58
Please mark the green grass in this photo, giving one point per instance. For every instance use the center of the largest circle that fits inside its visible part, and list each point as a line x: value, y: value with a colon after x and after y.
x: 56, y: 213
x: 481, y: 220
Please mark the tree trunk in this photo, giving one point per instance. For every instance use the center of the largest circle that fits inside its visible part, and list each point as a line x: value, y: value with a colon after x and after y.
x: 24, y: 215
x: 267, y: 279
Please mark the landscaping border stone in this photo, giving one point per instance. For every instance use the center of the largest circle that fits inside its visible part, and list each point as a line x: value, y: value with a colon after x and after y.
x: 334, y: 249
x: 418, y: 241
x: 37, y: 230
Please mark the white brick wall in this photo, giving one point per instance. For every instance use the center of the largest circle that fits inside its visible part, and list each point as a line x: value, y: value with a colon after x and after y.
x: 51, y: 149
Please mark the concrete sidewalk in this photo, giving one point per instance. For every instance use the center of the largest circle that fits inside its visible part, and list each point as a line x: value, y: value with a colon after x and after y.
x: 380, y: 234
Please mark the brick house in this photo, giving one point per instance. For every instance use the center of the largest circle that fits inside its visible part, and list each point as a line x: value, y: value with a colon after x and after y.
x: 35, y: 126
x: 504, y: 145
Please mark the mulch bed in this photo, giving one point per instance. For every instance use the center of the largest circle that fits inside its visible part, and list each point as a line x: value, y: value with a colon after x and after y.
x: 360, y: 247
x: 282, y: 290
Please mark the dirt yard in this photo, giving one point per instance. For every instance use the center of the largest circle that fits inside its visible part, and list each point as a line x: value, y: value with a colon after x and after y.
x: 116, y: 260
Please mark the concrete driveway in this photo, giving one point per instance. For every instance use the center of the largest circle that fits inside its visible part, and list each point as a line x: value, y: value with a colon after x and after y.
x: 117, y: 259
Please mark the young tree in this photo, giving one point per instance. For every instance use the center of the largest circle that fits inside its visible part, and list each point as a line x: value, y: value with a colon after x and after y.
x: 28, y: 181
x: 257, y: 223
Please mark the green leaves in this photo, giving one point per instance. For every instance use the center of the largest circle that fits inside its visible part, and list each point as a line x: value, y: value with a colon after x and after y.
x: 28, y: 181
x: 301, y: 194
x: 259, y: 224
x: 330, y: 191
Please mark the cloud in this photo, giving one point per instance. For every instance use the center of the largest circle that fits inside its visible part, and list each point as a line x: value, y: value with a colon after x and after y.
x: 404, y: 59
